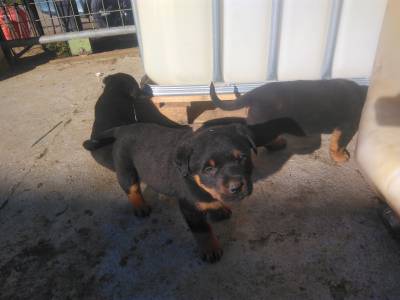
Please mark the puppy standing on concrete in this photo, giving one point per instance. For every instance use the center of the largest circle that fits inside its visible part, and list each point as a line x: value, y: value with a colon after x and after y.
x: 320, y: 106
x: 201, y: 169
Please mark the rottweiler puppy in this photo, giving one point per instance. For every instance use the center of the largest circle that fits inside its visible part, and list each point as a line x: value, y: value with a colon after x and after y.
x: 122, y: 102
x: 319, y: 106
x: 201, y: 169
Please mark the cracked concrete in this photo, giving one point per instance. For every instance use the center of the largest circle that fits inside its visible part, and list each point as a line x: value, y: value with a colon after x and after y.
x: 309, y: 231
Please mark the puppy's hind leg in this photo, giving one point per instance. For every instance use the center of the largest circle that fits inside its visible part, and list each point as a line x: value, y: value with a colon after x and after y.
x: 129, y: 182
x: 340, y: 138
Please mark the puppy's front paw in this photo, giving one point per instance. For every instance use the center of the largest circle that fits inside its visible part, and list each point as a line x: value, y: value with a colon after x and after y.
x: 220, y: 214
x: 210, y: 249
x: 340, y: 156
x: 142, y: 211
x: 212, y: 255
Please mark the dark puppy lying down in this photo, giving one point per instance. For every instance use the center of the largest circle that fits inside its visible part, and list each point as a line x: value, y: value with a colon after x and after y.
x: 320, y: 106
x: 202, y: 169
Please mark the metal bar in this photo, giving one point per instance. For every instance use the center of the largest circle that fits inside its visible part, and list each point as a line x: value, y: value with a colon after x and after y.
x: 120, y: 14
x: 217, y: 40
x: 326, y: 70
x: 105, y: 13
x: 89, y: 14
x: 274, y: 41
x: 51, y: 15
x: 97, y: 33
x: 33, y: 16
x: 137, y: 25
x: 76, y: 15
x: 170, y: 90
x: 23, y: 51
x: 20, y: 43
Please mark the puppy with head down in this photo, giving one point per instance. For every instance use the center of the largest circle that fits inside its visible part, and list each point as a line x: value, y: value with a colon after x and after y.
x: 319, y: 106
x: 122, y: 102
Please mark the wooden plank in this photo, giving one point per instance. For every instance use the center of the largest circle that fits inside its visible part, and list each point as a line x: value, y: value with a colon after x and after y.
x: 190, y: 98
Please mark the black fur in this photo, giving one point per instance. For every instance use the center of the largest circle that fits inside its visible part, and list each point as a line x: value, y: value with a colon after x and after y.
x: 121, y: 103
x: 200, y: 168
x: 319, y: 106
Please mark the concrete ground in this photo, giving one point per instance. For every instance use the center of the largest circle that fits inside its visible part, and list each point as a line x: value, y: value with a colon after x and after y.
x: 309, y: 231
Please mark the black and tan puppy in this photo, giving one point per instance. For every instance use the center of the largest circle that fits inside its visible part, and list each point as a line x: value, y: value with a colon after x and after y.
x: 122, y: 103
x: 202, y: 169
x: 319, y: 106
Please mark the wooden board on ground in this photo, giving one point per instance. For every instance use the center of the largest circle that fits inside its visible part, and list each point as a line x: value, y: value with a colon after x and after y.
x: 190, y: 98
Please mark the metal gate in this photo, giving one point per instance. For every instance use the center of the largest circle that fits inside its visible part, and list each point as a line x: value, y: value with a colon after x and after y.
x: 28, y: 22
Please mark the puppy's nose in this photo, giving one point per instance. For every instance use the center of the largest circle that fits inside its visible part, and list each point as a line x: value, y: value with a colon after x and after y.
x: 235, y: 186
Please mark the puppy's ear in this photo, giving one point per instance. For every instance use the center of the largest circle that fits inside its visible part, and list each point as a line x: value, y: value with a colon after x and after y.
x: 243, y: 130
x: 107, y: 79
x: 182, y: 159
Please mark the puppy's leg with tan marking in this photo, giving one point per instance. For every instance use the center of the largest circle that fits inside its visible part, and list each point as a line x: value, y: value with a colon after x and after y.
x: 337, y: 151
x: 217, y: 210
x: 209, y: 246
x: 141, y: 209
x: 129, y: 182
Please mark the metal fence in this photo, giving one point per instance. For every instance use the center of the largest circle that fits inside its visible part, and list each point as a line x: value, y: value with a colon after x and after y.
x: 27, y: 22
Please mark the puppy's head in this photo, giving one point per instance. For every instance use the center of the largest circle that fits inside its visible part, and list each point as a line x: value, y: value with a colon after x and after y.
x: 218, y: 160
x: 123, y: 83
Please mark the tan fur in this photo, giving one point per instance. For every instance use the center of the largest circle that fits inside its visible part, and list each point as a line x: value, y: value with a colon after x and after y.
x: 338, y: 154
x: 135, y: 196
x: 215, y: 194
x: 207, y: 206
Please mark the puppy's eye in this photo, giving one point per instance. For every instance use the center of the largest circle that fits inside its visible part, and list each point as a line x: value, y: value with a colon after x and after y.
x: 210, y: 170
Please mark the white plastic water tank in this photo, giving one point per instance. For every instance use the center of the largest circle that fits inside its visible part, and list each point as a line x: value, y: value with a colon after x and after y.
x: 358, y: 35
x: 245, y: 39
x: 177, y: 40
x: 178, y: 49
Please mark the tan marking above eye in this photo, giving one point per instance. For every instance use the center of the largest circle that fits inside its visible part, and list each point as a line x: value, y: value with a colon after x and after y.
x: 211, y: 162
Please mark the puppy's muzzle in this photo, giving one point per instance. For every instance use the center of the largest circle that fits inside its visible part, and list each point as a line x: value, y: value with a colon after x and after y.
x: 236, y: 186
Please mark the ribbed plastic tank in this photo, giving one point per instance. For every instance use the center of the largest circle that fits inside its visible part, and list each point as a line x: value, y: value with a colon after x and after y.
x: 304, y: 30
x: 246, y: 37
x: 360, y: 25
x: 177, y: 39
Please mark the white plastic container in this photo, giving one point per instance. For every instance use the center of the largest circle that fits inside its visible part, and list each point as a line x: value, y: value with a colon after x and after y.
x: 177, y: 40
x: 246, y: 36
x: 305, y: 26
x: 178, y: 49
x: 358, y: 35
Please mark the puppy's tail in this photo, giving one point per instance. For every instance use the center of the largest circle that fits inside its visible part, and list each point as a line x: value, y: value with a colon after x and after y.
x: 237, y: 103
x: 105, y: 138
x: 266, y: 132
